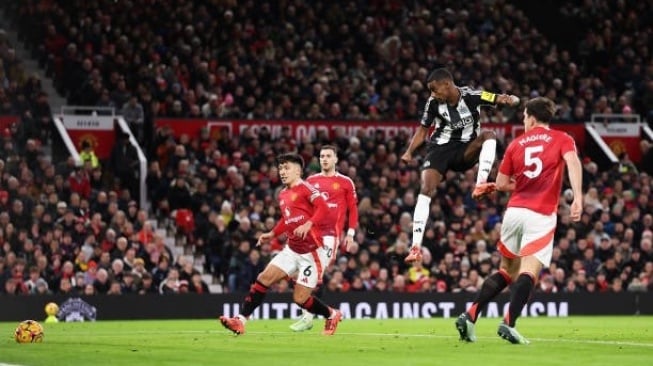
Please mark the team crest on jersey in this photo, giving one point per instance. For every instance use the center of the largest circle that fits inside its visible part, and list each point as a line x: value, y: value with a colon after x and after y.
x: 316, y: 185
x: 293, y: 197
x: 336, y: 185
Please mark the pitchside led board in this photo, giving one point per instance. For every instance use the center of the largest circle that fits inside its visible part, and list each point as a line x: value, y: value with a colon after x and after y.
x: 96, y: 130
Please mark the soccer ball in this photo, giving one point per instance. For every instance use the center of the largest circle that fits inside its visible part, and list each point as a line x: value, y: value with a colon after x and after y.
x: 29, y: 331
x: 51, y: 309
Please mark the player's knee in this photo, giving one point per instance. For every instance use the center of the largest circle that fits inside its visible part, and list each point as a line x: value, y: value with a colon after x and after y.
x: 428, y: 188
x: 488, y: 135
x: 265, y: 278
x: 427, y: 191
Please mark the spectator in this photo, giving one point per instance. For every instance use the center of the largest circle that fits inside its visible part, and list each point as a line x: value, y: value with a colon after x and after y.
x: 133, y: 113
x: 124, y: 163
x: 147, y: 285
x: 239, y: 175
x: 102, y: 283
x: 79, y: 182
x: 87, y: 155
x: 197, y: 285
x: 238, y: 274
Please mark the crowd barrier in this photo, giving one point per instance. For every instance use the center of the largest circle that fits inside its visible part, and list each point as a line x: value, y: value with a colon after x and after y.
x: 353, y: 305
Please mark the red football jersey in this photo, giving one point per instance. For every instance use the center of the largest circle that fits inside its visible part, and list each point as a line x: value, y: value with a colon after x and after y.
x: 340, y: 194
x: 296, y: 204
x: 535, y: 161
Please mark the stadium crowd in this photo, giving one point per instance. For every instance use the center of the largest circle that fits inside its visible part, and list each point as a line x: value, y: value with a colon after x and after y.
x: 66, y: 229
x: 332, y: 59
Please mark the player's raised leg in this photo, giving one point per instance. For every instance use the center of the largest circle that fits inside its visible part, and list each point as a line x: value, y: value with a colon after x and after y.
x: 485, y: 148
x: 429, y: 181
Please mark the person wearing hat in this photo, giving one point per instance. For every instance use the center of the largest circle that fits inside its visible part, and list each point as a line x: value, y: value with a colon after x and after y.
x: 183, y: 287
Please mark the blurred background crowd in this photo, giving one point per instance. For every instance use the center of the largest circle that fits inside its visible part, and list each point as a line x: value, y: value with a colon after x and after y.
x: 71, y: 229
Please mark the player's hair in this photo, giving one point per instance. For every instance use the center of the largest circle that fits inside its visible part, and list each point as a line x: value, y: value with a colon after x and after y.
x: 439, y: 75
x: 290, y: 158
x: 330, y: 147
x: 541, y: 108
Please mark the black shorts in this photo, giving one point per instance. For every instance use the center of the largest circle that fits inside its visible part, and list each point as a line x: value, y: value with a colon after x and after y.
x: 449, y: 156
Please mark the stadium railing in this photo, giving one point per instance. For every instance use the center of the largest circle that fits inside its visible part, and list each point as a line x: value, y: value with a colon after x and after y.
x: 98, y: 127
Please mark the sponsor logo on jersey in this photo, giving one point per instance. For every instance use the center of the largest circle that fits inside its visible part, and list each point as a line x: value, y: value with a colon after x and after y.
x: 295, y: 219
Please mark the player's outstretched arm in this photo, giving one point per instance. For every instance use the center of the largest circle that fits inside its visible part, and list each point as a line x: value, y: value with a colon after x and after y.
x: 280, y: 228
x: 265, y: 238
x: 415, y: 142
x: 508, y: 99
x: 576, y: 180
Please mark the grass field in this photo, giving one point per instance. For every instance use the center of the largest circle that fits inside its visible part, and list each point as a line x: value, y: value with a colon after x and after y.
x: 554, y: 341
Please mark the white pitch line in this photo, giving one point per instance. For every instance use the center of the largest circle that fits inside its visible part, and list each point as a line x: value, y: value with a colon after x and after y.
x: 435, y: 336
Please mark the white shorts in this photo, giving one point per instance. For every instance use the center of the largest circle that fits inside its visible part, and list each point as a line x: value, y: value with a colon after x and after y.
x: 525, y: 232
x: 331, y: 248
x: 309, y: 267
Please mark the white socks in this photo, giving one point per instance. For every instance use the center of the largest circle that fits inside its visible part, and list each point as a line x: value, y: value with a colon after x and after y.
x: 307, y: 314
x: 421, y: 215
x: 485, y: 160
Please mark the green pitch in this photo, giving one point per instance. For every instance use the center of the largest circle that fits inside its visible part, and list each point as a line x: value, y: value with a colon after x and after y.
x: 554, y: 341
